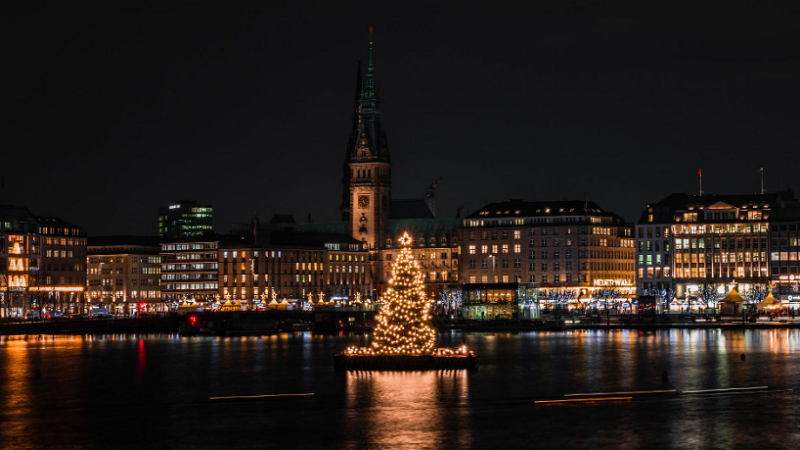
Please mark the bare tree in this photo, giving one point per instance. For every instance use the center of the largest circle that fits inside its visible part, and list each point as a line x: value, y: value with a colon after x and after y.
x: 710, y: 295
x: 449, y: 300
x: 756, y: 294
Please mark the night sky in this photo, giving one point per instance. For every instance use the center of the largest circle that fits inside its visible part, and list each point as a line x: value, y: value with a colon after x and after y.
x: 113, y: 112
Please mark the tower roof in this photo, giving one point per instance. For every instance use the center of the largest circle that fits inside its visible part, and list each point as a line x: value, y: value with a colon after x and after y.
x: 369, y: 87
x: 370, y: 140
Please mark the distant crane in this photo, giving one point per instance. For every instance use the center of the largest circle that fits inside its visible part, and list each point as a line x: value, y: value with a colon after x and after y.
x: 432, y: 196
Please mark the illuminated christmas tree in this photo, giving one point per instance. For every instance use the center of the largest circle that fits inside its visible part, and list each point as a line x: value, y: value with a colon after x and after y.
x: 404, y: 322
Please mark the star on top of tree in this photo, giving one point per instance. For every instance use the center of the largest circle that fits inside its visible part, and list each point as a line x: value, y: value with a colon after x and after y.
x: 405, y: 240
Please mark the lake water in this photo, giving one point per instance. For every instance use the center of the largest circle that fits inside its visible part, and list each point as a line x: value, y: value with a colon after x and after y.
x: 154, y: 391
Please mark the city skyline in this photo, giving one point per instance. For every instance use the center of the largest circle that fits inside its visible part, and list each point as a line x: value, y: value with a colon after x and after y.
x: 118, y: 112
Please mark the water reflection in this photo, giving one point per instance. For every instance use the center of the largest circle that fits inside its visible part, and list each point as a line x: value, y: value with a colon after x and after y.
x: 141, y: 362
x: 15, y: 393
x: 408, y: 409
x: 92, y: 387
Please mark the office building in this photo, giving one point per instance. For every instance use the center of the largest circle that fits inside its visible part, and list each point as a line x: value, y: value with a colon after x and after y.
x: 185, y: 219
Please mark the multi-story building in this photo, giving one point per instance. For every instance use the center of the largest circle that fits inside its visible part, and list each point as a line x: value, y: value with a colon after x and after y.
x: 692, y: 242
x: 284, y: 265
x: 347, y: 265
x: 42, y: 264
x: 124, y: 274
x: 784, y: 254
x: 190, y: 270
x: 568, y: 246
x: 251, y: 273
x: 62, y: 277
x: 291, y: 265
x: 434, y: 244
x: 562, y: 244
x: 20, y: 260
x: 185, y: 219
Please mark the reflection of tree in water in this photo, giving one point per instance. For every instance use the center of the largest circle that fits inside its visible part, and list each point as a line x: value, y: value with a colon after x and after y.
x: 407, y: 409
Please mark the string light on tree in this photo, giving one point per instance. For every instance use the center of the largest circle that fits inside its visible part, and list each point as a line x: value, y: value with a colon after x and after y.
x: 404, y: 322
x: 405, y: 338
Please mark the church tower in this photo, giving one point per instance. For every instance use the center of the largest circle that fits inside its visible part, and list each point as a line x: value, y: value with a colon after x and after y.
x: 370, y: 180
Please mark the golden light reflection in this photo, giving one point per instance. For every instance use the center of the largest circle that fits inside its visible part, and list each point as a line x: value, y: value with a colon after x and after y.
x: 20, y: 380
x: 408, y: 409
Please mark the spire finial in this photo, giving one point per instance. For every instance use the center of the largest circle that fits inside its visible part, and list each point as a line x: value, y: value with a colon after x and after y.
x: 369, y: 61
x: 369, y: 85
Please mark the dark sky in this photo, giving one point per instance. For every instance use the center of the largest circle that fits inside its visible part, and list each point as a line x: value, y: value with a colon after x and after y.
x: 112, y: 112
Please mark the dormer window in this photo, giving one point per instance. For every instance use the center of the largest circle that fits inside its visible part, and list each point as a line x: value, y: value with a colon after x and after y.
x: 690, y: 217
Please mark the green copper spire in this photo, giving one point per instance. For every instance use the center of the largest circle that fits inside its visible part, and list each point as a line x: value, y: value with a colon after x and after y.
x: 370, y: 134
x: 369, y: 84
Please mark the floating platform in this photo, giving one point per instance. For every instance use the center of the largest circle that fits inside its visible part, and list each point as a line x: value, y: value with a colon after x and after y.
x: 345, y: 362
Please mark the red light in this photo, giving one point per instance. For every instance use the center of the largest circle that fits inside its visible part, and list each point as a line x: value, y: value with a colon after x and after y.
x: 192, y: 320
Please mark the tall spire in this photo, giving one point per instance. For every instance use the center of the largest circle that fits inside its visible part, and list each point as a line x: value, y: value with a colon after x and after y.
x: 370, y: 133
x: 369, y: 91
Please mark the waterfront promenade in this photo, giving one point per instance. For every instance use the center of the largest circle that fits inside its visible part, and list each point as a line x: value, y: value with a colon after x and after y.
x: 253, y: 323
x: 662, y: 321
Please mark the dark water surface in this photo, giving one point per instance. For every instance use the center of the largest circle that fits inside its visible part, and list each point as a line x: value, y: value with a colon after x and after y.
x: 153, y: 391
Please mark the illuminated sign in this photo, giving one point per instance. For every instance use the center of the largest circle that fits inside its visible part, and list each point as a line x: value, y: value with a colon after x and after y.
x: 174, y: 206
x: 618, y: 282
x: 56, y: 289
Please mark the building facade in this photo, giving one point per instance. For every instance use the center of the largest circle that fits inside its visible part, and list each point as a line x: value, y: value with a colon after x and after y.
x: 566, y: 246
x: 690, y: 243
x: 185, y: 219
x: 784, y: 254
x: 190, y: 270
x: 124, y: 274
x: 434, y: 244
x: 293, y: 265
x: 20, y: 260
x: 258, y: 273
x: 283, y: 266
x: 42, y: 264
x: 62, y: 278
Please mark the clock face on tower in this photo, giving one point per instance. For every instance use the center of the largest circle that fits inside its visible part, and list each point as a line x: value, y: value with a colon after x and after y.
x: 363, y: 201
